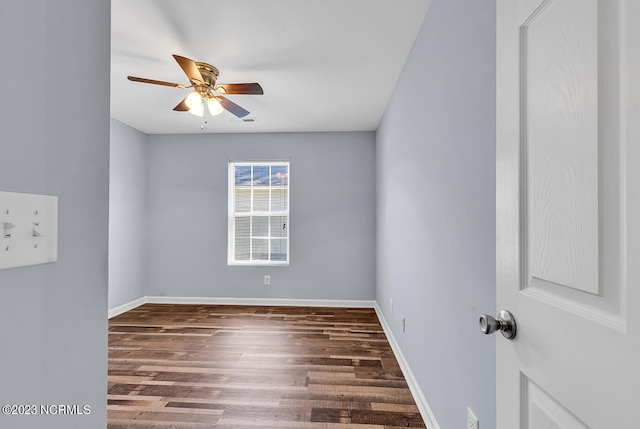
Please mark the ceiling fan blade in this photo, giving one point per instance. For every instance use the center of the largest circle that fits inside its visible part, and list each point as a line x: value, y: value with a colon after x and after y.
x: 190, y: 69
x: 240, y: 88
x: 232, y: 107
x: 182, y: 107
x: 155, y: 82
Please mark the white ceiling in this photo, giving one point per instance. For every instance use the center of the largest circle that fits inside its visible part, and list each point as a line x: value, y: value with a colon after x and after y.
x: 326, y: 65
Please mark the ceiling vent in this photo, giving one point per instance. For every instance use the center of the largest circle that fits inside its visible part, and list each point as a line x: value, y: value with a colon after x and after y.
x: 243, y: 120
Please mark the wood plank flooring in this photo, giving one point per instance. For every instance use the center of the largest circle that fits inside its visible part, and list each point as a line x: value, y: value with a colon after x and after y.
x: 223, y: 366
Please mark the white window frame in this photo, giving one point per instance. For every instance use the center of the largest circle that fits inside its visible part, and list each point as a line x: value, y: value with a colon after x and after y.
x: 231, y: 260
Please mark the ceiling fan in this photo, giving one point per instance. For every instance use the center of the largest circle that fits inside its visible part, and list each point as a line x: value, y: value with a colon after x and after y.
x: 203, y: 78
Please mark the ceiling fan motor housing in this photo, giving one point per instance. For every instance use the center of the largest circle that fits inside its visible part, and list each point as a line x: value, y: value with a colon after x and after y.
x: 209, y: 73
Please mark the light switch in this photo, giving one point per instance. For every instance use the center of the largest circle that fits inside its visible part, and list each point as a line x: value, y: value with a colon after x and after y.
x: 30, y: 229
x: 8, y: 226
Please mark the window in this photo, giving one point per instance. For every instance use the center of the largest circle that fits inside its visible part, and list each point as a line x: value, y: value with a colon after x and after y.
x: 258, y: 213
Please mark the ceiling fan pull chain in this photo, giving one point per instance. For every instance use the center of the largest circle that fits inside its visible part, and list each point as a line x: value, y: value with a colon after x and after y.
x: 204, y: 121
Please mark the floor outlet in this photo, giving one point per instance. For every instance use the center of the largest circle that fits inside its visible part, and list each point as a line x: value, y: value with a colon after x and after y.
x: 472, y: 420
x: 403, y: 321
x: 267, y: 280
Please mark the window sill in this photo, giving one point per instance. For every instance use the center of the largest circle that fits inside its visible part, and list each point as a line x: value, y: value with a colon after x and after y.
x: 257, y: 264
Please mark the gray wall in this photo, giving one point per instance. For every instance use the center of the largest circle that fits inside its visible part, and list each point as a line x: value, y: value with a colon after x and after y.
x: 436, y: 209
x: 332, y: 216
x: 54, y: 136
x: 127, y: 214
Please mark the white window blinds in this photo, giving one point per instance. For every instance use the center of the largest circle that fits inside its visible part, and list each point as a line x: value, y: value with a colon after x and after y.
x: 258, y: 213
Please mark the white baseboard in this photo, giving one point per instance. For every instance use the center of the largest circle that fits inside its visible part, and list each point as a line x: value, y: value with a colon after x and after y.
x: 261, y: 301
x: 126, y: 307
x: 240, y: 301
x: 425, y: 411
x: 421, y: 402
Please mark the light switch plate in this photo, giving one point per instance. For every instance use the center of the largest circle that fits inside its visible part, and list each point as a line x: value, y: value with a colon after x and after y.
x: 28, y: 229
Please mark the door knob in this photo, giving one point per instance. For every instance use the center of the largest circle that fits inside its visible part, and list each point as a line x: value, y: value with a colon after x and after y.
x: 505, y: 323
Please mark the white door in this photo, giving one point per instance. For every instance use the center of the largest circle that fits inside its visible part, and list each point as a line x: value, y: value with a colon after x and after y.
x: 568, y: 213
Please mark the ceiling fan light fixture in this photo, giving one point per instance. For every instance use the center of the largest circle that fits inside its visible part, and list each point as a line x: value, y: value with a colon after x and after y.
x: 195, y: 104
x: 203, y: 78
x: 215, y: 108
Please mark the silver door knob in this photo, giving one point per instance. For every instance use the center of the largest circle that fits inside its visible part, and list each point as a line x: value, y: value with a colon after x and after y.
x: 505, y: 323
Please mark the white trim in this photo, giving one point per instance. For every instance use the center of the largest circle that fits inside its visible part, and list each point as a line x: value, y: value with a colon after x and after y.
x: 258, y: 263
x: 425, y: 410
x: 260, y: 301
x: 240, y: 301
x: 126, y: 307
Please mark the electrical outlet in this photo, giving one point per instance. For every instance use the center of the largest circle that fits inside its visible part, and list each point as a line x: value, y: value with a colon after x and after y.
x: 391, y: 306
x: 403, y: 321
x: 472, y: 420
x: 267, y: 279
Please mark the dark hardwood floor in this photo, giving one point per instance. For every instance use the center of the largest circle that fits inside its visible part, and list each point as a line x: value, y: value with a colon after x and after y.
x: 223, y: 366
